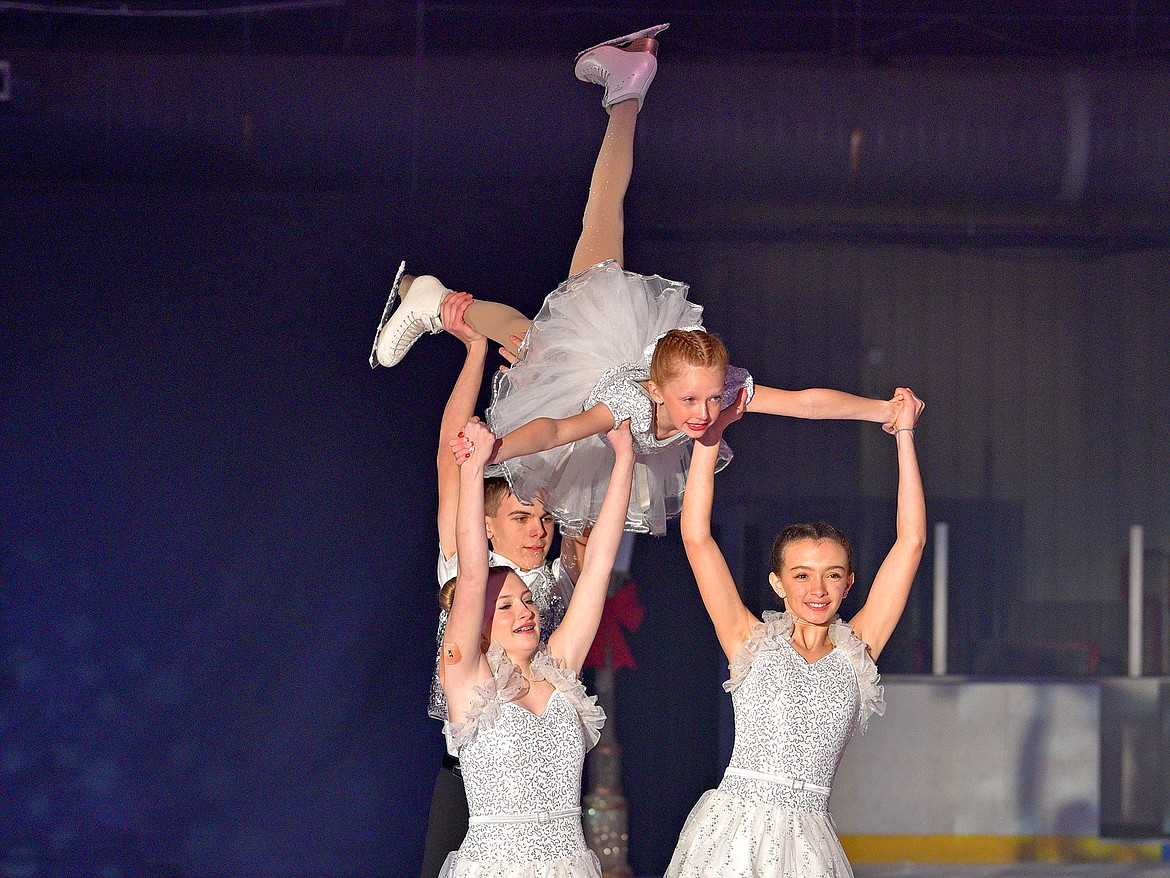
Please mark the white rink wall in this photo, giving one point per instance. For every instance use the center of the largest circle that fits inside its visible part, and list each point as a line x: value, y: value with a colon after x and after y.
x: 958, y: 757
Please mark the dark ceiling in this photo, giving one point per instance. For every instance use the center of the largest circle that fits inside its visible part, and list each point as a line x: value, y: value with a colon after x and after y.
x: 1046, y: 33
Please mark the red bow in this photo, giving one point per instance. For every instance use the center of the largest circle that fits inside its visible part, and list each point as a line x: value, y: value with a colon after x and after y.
x: 622, y: 610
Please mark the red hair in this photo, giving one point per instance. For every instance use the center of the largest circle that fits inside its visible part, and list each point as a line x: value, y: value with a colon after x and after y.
x: 680, y: 349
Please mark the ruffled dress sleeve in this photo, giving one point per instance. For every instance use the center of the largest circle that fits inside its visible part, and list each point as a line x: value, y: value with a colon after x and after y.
x: 775, y: 630
x: 545, y: 667
x: 507, y: 682
x: 504, y: 685
x: 619, y: 391
x: 736, y: 378
x: 868, y: 680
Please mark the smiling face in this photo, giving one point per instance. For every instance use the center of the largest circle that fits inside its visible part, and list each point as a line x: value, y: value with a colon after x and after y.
x: 813, y: 579
x: 687, y: 373
x: 520, y: 532
x: 515, y: 622
x: 690, y: 401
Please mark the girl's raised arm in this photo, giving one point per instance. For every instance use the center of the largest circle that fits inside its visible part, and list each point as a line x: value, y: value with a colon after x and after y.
x: 571, y: 641
x: 458, y: 411
x: 875, y: 621
x: 733, y: 621
x: 461, y: 658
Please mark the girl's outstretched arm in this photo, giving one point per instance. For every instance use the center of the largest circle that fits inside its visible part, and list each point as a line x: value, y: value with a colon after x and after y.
x: 571, y: 641
x: 542, y: 434
x: 819, y: 403
x: 733, y: 621
x: 875, y: 621
x: 461, y: 657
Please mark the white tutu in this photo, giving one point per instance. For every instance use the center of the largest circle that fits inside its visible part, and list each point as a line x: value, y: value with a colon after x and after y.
x: 594, y: 322
x: 583, y: 865
x: 732, y: 837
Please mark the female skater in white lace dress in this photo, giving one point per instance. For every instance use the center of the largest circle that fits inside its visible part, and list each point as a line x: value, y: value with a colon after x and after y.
x: 518, y: 717
x: 802, y: 681
x: 608, y: 345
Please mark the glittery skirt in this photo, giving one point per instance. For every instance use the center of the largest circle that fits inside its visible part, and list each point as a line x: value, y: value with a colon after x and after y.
x: 733, y: 836
x: 583, y: 864
x: 602, y: 318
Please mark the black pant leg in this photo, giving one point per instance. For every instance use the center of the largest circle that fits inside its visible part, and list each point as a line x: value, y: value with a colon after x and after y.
x: 447, y: 822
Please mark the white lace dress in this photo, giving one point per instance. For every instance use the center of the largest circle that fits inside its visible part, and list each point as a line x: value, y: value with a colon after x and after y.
x: 591, y: 342
x: 520, y: 765
x: 769, y: 816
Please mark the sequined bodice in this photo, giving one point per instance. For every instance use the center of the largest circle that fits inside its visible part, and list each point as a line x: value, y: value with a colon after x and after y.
x: 793, y: 717
x: 517, y: 762
x: 524, y: 762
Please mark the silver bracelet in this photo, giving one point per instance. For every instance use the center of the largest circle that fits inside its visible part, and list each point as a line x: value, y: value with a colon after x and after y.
x: 909, y: 430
